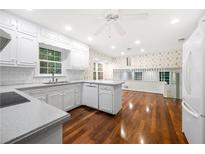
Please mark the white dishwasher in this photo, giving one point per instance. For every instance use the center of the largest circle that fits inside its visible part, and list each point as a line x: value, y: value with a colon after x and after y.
x: 90, y: 95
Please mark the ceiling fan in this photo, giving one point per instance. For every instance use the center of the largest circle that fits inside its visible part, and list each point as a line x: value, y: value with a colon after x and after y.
x: 112, y: 20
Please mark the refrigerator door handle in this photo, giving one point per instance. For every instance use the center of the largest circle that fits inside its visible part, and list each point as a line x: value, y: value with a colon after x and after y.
x: 189, y: 110
x: 187, y: 73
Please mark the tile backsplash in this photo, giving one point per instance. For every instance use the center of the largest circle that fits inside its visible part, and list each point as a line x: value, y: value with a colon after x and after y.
x: 17, y: 75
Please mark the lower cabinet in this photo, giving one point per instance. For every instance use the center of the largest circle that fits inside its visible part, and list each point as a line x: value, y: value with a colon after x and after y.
x: 106, y: 100
x: 65, y: 97
x: 42, y: 98
x: 102, y: 97
x: 69, y: 99
x: 56, y: 99
x: 78, y: 95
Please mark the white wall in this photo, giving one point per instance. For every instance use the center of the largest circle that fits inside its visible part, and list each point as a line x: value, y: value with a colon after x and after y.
x: 146, y: 86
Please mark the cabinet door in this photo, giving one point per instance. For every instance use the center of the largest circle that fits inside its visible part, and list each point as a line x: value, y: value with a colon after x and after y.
x: 26, y: 28
x: 78, y: 95
x: 7, y: 21
x: 42, y: 98
x: 106, y: 101
x: 78, y: 59
x: 74, y: 59
x: 8, y: 54
x: 56, y: 99
x: 27, y: 50
x: 69, y: 99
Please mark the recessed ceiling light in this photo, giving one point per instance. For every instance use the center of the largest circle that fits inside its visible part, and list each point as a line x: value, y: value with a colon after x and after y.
x: 137, y: 42
x: 90, y: 39
x: 174, y: 21
x: 122, y: 53
x: 68, y: 28
x: 113, y: 47
x: 142, y: 50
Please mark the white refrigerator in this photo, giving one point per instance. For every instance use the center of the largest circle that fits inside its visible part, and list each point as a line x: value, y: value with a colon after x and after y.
x: 193, y: 86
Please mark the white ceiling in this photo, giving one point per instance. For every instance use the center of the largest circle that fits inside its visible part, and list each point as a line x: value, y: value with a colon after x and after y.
x: 155, y: 31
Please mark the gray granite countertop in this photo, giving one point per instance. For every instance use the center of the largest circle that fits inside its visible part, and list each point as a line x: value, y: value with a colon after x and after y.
x: 20, y: 121
x: 28, y: 86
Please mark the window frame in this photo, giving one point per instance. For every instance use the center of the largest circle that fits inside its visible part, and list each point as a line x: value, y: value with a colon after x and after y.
x: 136, y: 77
x: 163, y: 77
x: 49, y: 61
x: 96, y: 70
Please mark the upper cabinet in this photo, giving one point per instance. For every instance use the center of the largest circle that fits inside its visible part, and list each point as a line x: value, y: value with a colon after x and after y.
x: 78, y: 59
x: 7, y: 21
x: 23, y: 49
x: 27, y: 50
x: 8, y: 55
x: 27, y: 28
x: 51, y: 38
x: 79, y: 56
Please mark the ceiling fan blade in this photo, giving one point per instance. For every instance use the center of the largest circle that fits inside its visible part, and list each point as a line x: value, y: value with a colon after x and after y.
x: 101, y: 28
x: 138, y: 16
x: 119, y: 29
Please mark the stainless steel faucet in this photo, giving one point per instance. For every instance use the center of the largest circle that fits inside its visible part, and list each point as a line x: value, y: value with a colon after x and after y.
x: 53, y: 77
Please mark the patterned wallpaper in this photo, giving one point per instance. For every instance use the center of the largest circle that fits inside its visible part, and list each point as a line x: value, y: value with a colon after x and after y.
x: 170, y: 59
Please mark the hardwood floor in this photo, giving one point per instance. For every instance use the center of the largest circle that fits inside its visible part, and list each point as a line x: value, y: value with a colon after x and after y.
x: 144, y: 118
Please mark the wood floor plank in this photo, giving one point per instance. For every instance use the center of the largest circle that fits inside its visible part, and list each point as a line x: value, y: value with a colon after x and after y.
x: 144, y: 118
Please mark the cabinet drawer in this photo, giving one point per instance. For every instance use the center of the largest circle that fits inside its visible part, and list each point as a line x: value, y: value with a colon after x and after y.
x: 109, y: 88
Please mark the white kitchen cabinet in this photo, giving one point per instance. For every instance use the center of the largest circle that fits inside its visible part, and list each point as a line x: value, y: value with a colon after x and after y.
x: 27, y: 28
x: 110, y: 98
x: 90, y: 95
x: 41, y: 95
x: 49, y: 34
x: 78, y: 59
x: 53, y: 39
x: 106, y: 99
x: 69, y: 99
x: 42, y: 98
x: 7, y: 21
x: 78, y: 94
x: 56, y: 99
x: 8, y: 54
x: 27, y: 50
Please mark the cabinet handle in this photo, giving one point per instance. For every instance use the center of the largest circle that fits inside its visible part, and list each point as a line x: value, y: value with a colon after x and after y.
x: 91, y: 86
